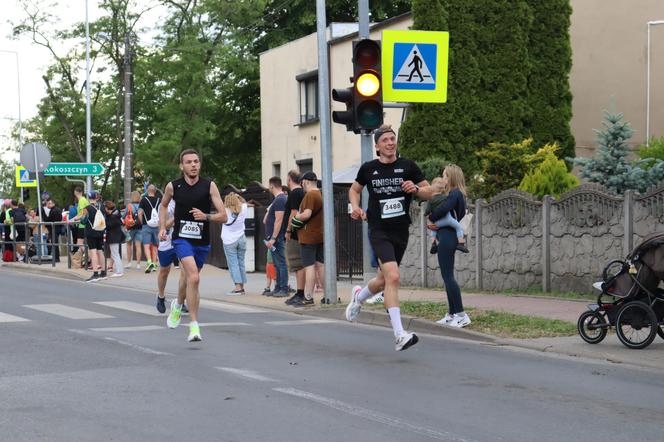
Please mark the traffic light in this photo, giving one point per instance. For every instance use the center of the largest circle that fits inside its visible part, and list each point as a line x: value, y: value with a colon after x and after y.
x: 346, y: 117
x: 26, y: 193
x: 368, y: 92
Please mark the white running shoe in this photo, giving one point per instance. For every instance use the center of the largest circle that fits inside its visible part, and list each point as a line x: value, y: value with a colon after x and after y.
x: 445, y: 320
x: 406, y: 340
x: 376, y: 299
x: 194, y: 333
x: 354, y: 307
x: 460, y: 320
x: 174, y: 316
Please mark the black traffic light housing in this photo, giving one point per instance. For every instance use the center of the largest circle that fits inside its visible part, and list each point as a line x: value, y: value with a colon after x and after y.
x: 364, y: 99
x: 368, y: 89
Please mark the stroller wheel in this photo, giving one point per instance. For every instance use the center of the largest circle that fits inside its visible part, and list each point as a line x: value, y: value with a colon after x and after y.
x: 636, y: 325
x: 592, y: 327
x: 660, y: 331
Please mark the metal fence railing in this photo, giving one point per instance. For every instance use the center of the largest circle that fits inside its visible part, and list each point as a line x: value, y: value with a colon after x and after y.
x: 40, y: 242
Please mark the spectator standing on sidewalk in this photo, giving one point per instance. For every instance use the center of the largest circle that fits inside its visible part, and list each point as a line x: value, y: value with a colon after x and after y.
x: 94, y: 237
x: 275, y: 230
x: 454, y: 183
x: 54, y: 230
x: 293, y: 258
x: 309, y: 226
x: 78, y: 229
x: 114, y: 236
x: 234, y: 241
x: 19, y: 220
x: 148, y: 214
x: 133, y: 226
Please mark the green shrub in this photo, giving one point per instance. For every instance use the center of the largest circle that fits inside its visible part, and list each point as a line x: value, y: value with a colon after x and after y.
x: 549, y: 176
x: 653, y: 152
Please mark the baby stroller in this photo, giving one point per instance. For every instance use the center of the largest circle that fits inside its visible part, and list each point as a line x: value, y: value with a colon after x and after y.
x: 636, y: 302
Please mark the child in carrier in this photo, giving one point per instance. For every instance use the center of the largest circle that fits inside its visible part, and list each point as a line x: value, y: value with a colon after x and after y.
x: 447, y: 221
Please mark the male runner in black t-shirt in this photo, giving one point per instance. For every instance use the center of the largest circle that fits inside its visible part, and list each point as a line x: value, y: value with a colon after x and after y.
x: 194, y: 197
x: 391, y: 182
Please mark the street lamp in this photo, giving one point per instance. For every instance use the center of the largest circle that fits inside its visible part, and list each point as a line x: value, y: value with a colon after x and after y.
x: 650, y: 23
x: 88, y: 122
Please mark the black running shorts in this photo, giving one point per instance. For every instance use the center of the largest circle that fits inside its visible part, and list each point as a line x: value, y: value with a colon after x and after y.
x: 95, y: 243
x: 389, y: 245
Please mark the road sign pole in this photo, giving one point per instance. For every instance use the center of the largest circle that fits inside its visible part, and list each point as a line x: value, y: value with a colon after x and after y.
x: 38, y: 208
x: 330, y: 245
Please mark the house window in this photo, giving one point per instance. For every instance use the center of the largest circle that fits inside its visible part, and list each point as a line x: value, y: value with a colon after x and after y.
x: 276, y: 169
x: 305, y: 166
x: 308, y: 96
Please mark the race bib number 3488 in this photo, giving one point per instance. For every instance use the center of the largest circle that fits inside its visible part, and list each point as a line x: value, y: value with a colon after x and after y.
x: 391, y: 208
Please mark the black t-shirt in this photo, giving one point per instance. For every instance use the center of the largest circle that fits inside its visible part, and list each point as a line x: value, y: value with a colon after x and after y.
x: 388, y: 205
x: 147, y: 204
x: 187, y: 197
x: 89, y: 231
x: 294, y: 200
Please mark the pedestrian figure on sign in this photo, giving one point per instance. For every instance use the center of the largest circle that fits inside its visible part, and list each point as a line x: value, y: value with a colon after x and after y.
x: 417, y: 64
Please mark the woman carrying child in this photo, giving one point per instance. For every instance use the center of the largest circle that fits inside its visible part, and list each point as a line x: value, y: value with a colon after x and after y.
x: 438, y: 185
x: 454, y: 205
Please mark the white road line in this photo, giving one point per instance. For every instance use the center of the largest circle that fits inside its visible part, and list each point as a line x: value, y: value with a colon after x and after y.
x: 229, y: 307
x: 301, y: 322
x: 67, y: 312
x: 138, y: 347
x: 222, y: 324
x: 365, y: 413
x: 132, y: 307
x: 6, y: 317
x: 249, y: 374
x: 138, y: 328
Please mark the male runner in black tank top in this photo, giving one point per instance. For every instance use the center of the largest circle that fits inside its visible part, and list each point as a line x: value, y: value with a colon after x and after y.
x: 194, y: 197
x: 391, y: 182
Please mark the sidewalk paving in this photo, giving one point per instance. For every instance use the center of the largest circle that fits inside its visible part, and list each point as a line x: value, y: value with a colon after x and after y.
x: 215, y: 282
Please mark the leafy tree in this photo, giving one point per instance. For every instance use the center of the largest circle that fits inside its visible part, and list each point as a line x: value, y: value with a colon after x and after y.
x: 432, y: 167
x: 502, y: 167
x: 610, y: 167
x: 549, y: 176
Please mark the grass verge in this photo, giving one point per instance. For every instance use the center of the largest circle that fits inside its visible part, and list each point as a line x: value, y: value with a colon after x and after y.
x: 504, y: 325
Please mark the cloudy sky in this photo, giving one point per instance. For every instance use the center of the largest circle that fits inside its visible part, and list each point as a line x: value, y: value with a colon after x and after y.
x: 33, y: 60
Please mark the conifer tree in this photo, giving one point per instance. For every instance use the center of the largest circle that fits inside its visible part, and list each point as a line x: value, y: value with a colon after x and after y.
x: 550, y: 175
x: 610, y: 167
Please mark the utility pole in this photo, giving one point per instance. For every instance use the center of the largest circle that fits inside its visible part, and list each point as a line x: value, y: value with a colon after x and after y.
x: 128, y: 172
x: 88, y: 118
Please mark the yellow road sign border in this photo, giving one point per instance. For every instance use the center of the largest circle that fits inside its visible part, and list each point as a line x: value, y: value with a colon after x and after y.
x: 19, y: 183
x: 441, y: 39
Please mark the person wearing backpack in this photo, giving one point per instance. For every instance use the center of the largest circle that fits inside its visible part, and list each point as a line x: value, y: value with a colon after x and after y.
x: 95, y: 225
x: 148, y: 215
x: 133, y: 227
x: 114, y: 236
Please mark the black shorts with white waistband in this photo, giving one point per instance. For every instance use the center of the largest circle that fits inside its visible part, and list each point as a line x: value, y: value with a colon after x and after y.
x: 389, y: 245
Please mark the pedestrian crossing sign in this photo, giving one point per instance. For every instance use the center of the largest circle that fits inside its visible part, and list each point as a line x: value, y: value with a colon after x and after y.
x: 23, y: 178
x: 414, y: 66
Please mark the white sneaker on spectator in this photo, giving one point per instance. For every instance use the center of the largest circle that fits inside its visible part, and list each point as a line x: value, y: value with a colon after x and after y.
x: 138, y: 266
x: 128, y: 265
x: 117, y: 275
x: 460, y: 320
x: 445, y: 320
x: 376, y: 299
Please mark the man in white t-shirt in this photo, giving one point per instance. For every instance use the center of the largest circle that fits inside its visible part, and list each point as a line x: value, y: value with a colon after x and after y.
x: 167, y: 256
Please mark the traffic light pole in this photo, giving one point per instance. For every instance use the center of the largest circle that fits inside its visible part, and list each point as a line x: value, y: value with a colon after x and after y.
x: 366, y: 152
x: 330, y: 254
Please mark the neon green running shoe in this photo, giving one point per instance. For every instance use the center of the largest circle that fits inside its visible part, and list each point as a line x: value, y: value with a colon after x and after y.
x: 174, y: 316
x: 194, y: 333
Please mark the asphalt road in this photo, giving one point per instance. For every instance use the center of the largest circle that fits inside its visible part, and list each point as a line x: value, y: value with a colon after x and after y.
x: 87, y: 362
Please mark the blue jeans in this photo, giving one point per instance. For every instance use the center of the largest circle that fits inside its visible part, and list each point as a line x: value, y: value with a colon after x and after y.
x: 447, y: 243
x: 279, y: 258
x: 235, y: 259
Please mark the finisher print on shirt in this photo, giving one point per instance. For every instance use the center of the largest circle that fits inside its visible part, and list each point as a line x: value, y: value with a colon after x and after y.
x: 388, y: 203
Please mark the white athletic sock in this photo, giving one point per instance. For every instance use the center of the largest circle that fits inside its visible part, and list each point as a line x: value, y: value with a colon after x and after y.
x: 364, y: 295
x: 179, y: 306
x: 395, y: 319
x: 193, y: 323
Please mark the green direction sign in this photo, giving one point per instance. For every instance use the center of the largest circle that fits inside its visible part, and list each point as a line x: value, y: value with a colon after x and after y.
x: 74, y: 169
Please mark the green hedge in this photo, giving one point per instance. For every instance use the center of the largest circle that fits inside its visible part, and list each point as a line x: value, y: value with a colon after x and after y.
x: 509, y: 63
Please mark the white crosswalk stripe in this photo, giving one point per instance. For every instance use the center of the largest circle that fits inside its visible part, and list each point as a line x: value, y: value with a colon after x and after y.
x: 6, y: 317
x: 132, y: 307
x: 229, y: 308
x: 67, y: 312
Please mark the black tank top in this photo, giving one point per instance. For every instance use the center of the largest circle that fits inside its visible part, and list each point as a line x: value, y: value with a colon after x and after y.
x: 188, y: 197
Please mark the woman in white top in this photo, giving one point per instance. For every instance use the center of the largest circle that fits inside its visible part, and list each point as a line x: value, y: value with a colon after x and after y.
x: 235, y: 243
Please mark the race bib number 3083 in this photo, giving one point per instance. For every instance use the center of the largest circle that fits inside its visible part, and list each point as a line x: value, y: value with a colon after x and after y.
x: 391, y: 208
x: 191, y: 229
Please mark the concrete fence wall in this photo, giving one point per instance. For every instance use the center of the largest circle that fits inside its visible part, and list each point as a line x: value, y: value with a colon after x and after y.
x: 518, y: 242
